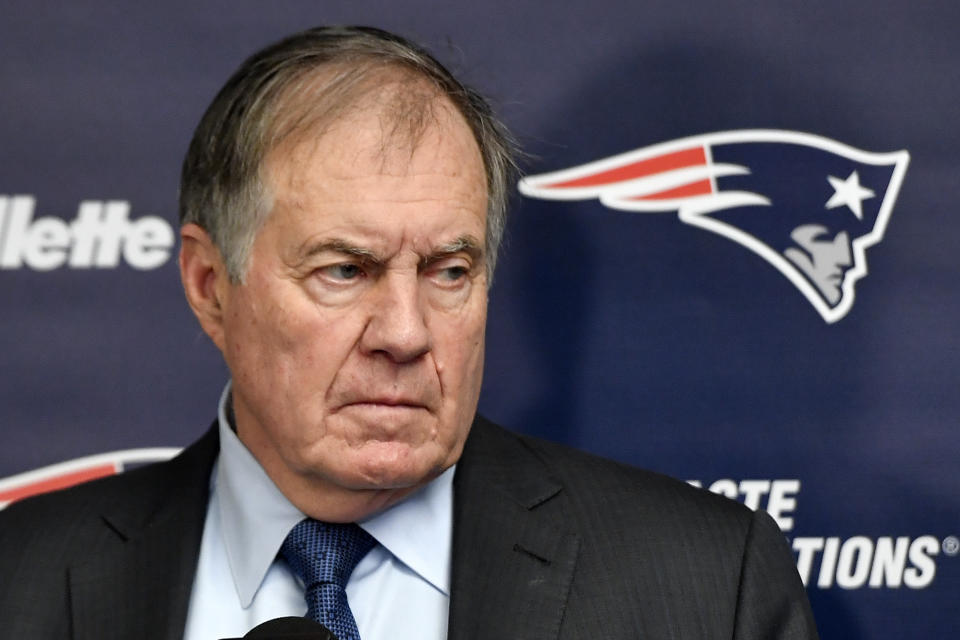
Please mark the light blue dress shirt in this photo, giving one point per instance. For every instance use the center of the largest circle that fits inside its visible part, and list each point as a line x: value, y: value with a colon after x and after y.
x: 399, y: 590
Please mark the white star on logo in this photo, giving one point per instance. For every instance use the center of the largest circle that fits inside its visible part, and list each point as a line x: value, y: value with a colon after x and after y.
x: 849, y: 192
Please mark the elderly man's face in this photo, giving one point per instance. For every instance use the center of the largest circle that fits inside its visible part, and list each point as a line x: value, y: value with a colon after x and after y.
x: 356, y: 342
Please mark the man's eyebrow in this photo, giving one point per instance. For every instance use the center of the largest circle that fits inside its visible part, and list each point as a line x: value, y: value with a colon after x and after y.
x: 308, y: 250
x: 465, y: 244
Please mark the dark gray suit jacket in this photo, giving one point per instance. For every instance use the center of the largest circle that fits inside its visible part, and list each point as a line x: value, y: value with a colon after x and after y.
x: 549, y: 543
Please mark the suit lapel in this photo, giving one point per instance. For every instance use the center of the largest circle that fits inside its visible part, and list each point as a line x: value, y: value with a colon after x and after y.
x: 139, y: 585
x: 513, y: 560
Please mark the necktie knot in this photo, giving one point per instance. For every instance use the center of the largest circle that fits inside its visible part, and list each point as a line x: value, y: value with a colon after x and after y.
x: 324, y: 555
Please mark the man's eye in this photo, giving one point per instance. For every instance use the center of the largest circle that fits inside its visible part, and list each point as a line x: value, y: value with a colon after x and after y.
x: 449, y: 275
x: 452, y: 274
x: 345, y: 271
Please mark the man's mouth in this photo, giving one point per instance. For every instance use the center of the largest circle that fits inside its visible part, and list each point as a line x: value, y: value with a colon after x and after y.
x: 386, y: 402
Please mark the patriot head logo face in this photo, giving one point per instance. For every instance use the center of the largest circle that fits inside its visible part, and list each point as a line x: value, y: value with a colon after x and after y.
x: 808, y: 205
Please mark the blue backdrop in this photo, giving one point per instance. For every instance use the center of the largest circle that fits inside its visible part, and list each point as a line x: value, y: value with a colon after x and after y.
x: 647, y: 317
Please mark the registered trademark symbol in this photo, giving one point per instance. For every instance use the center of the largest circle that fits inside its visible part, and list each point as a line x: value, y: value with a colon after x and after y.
x: 951, y: 545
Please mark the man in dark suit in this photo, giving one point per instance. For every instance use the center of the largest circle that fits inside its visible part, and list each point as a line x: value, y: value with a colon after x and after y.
x: 342, y: 203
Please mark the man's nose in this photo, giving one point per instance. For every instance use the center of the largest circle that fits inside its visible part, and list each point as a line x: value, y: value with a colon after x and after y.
x: 397, y: 324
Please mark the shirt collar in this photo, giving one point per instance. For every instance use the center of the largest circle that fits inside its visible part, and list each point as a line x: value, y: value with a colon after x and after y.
x: 256, y: 518
x: 418, y: 531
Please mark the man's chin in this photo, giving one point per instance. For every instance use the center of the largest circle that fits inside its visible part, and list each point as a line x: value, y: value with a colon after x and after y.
x: 340, y: 482
x: 389, y: 466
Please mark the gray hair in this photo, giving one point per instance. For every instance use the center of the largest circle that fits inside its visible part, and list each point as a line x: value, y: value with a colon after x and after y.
x: 277, y: 93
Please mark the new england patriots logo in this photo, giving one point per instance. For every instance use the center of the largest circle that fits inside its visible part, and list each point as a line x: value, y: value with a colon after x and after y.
x: 808, y: 205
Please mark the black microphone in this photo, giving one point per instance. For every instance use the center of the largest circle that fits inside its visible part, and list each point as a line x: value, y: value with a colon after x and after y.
x: 289, y: 628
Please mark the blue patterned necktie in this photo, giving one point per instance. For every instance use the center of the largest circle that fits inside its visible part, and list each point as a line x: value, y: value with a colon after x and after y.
x: 324, y: 555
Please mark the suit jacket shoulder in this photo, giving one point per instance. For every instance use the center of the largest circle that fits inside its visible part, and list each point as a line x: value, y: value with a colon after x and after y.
x: 87, y: 562
x: 600, y: 549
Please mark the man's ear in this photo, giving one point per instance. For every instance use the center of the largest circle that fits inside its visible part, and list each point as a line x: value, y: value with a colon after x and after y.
x: 205, y: 280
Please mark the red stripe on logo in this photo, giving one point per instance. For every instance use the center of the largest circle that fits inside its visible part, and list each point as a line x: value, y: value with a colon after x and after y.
x: 58, y: 482
x: 701, y: 188
x: 640, y: 169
